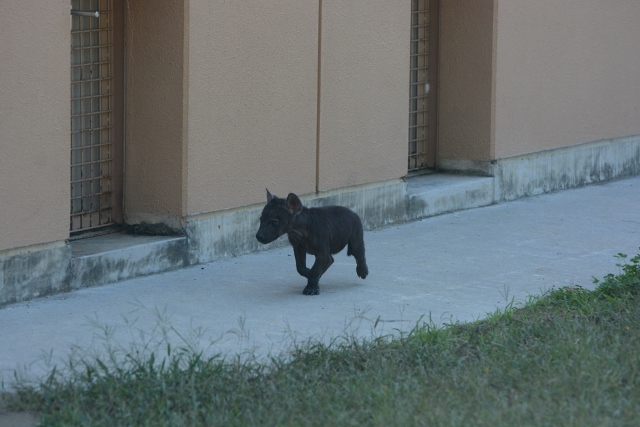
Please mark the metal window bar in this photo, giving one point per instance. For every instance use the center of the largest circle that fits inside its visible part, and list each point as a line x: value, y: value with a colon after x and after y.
x: 418, y: 89
x: 91, y: 115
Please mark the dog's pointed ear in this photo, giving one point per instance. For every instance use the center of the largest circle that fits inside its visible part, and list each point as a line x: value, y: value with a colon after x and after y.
x: 269, y: 195
x: 294, y: 204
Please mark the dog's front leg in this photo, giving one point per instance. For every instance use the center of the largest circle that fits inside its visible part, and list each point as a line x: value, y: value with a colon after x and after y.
x: 301, y: 260
x: 323, y: 262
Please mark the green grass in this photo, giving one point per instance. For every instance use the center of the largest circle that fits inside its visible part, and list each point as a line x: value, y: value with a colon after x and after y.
x: 568, y: 358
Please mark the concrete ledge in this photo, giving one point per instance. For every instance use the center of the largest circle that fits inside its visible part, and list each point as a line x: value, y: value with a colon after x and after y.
x: 114, y: 257
x: 33, y: 272
x: 432, y: 195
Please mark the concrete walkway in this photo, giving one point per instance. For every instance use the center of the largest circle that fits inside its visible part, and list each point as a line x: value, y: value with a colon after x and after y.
x: 459, y: 266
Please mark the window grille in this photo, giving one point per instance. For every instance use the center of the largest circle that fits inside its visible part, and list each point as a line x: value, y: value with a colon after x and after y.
x: 419, y: 87
x: 91, y: 115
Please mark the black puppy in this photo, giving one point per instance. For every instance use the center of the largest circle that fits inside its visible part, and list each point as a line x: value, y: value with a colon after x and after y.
x: 316, y: 231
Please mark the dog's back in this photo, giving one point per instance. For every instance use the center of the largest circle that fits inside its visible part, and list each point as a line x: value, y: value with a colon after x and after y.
x: 331, y: 226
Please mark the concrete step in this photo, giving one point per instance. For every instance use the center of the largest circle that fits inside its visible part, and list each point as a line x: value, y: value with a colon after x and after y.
x: 114, y: 257
x: 436, y: 194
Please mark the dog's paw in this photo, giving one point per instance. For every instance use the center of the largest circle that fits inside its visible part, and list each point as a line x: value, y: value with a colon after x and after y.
x: 362, y: 271
x: 311, y: 290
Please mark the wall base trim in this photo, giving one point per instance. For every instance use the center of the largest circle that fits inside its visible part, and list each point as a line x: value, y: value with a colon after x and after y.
x: 568, y: 167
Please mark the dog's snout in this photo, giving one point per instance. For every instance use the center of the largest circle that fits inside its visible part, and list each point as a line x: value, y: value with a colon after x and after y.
x: 261, y: 237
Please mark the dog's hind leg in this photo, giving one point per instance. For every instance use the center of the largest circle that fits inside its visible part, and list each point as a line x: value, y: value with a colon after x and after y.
x: 356, y: 248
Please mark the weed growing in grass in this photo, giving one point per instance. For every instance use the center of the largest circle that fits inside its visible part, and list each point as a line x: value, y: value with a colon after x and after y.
x: 569, y: 357
x: 615, y: 286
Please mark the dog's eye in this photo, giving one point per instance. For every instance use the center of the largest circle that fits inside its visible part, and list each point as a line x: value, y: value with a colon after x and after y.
x: 274, y: 223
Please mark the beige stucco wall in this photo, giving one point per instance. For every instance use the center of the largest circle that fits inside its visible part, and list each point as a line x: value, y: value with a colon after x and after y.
x: 34, y: 123
x: 466, y: 73
x: 252, y: 101
x: 364, y: 92
x: 155, y: 148
x: 222, y: 103
x: 567, y: 72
